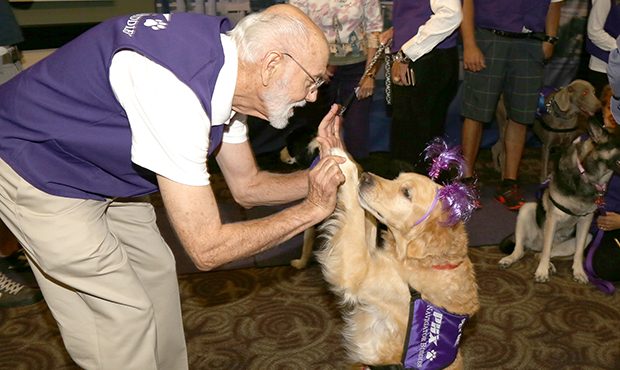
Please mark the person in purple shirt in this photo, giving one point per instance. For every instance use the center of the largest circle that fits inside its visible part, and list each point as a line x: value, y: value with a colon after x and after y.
x: 424, y: 74
x: 605, y: 259
x: 505, y: 45
x: 133, y: 106
x: 14, y: 269
x: 602, y: 30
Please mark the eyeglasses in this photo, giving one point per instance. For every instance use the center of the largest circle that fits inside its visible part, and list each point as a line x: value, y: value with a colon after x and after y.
x: 316, y: 82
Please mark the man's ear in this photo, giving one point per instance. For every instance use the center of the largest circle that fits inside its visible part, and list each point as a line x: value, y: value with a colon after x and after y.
x: 269, y: 66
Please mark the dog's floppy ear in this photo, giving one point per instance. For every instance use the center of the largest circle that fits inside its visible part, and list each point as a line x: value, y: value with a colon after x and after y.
x: 562, y: 98
x: 438, y: 242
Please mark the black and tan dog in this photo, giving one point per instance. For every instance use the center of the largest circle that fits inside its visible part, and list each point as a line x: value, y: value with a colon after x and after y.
x: 558, y: 224
x: 562, y: 116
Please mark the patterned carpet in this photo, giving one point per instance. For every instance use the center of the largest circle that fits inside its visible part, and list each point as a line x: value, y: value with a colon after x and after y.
x: 280, y: 318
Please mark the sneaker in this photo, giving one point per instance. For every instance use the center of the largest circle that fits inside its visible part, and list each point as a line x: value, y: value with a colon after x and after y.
x: 14, y: 294
x: 16, y: 261
x: 509, y: 194
x: 17, y: 267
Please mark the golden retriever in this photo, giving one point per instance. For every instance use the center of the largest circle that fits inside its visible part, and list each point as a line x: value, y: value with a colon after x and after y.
x: 375, y: 280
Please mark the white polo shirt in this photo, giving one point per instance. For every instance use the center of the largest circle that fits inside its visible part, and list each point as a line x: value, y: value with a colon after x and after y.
x: 169, y: 127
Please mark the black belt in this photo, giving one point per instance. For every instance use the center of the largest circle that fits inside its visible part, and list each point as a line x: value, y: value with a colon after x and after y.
x: 519, y: 35
x: 11, y: 56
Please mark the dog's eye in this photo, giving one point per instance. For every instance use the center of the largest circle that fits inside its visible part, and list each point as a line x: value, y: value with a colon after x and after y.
x: 406, y: 192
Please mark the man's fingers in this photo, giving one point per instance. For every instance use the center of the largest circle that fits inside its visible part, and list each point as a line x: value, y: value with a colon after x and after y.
x: 325, y: 179
x: 326, y: 127
x: 330, y: 173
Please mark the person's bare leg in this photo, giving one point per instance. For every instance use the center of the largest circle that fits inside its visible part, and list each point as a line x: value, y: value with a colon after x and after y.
x: 471, y: 135
x: 514, y: 142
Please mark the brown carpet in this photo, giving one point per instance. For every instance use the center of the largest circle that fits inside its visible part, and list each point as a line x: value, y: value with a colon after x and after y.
x: 281, y: 318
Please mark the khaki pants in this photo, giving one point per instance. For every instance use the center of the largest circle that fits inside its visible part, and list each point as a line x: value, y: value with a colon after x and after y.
x: 107, y: 276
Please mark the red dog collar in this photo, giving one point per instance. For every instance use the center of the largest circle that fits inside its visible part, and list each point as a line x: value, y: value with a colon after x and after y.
x: 447, y: 266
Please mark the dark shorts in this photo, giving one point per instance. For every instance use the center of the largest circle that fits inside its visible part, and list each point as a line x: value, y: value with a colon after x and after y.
x: 514, y: 67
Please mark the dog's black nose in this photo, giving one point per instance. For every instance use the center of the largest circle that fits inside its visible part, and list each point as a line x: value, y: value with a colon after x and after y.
x: 366, y: 179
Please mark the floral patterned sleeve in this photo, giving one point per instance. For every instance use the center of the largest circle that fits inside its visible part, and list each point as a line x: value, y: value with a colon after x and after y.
x: 374, y: 18
x: 301, y: 4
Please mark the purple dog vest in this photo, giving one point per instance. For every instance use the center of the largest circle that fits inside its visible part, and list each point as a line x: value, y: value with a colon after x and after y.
x: 433, y: 336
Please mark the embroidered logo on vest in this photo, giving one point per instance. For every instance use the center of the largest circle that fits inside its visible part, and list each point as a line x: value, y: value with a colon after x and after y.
x: 155, y: 24
x: 130, y: 26
x: 433, y: 337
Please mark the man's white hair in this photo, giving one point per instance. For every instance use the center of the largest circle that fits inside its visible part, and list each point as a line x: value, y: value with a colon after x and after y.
x: 259, y: 33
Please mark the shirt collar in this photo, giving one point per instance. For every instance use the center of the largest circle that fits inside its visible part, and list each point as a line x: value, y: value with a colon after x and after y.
x: 221, y: 102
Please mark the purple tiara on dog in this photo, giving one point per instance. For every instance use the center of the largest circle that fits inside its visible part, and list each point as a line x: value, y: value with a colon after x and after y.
x: 458, y: 199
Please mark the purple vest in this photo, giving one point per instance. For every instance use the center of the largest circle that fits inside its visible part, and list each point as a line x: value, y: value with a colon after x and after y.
x: 612, y: 27
x: 409, y: 16
x: 511, y: 15
x: 612, y: 197
x: 61, y: 127
x: 433, y: 336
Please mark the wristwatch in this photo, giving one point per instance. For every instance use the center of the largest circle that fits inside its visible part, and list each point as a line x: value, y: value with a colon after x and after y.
x: 401, y: 57
x: 551, y: 39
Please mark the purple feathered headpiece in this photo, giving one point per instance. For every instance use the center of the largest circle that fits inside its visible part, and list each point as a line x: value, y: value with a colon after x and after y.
x: 458, y: 199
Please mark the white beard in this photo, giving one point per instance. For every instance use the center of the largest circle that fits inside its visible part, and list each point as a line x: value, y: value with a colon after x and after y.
x: 278, y: 113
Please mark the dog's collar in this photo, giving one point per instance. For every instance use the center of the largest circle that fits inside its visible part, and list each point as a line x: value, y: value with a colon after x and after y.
x: 551, y: 106
x: 566, y: 210
x: 544, y: 125
x: 446, y: 266
x: 430, y: 209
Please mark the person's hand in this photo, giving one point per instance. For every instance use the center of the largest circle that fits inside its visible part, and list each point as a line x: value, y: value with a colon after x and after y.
x: 366, y: 87
x: 611, y: 221
x: 328, y: 135
x: 323, y: 182
x: 402, y: 75
x: 547, y: 50
x: 473, y: 59
x: 386, y: 36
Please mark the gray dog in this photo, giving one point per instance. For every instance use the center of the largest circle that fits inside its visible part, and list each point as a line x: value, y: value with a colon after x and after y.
x: 562, y: 116
x: 558, y: 223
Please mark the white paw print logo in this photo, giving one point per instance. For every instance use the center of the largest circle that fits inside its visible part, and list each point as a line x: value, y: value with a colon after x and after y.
x: 431, y: 355
x: 155, y: 24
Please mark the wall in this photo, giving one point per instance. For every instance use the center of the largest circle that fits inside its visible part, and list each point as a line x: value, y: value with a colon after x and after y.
x: 66, y: 12
x: 49, y: 24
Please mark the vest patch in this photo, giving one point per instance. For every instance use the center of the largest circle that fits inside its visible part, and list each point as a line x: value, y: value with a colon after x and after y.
x: 433, y: 336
